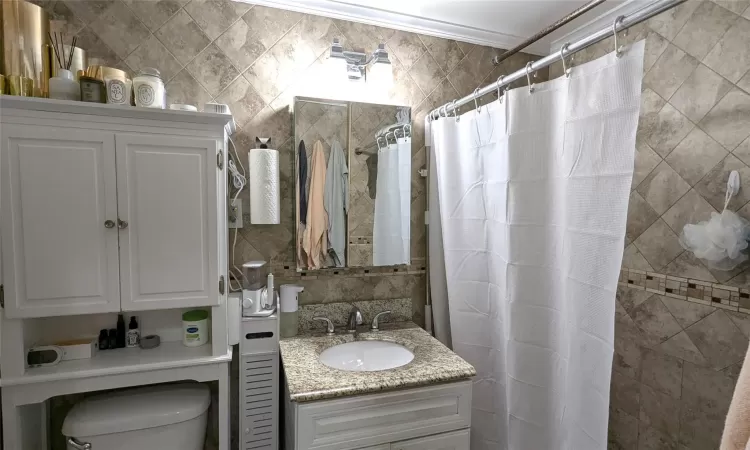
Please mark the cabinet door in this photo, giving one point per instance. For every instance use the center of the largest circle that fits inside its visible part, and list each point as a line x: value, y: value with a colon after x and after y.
x: 457, y: 440
x: 168, y: 206
x: 58, y: 189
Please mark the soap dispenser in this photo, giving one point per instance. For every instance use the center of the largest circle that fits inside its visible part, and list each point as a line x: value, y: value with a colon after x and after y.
x: 288, y: 309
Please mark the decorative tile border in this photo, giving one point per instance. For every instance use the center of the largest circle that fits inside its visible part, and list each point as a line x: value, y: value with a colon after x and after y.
x: 287, y: 270
x: 713, y: 294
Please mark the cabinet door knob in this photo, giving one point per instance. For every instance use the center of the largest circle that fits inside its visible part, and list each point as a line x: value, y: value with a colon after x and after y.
x: 109, y: 224
x: 121, y: 224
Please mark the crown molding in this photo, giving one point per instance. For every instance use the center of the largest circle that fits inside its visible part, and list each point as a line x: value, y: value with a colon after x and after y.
x: 415, y: 24
x: 605, y: 19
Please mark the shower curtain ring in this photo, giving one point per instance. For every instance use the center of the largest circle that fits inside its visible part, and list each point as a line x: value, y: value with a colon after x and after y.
x: 528, y: 76
x: 454, y: 108
x: 566, y: 71
x: 618, y: 49
x: 476, y: 103
x: 499, y: 86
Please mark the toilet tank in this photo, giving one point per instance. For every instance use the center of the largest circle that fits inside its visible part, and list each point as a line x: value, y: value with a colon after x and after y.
x: 167, y: 417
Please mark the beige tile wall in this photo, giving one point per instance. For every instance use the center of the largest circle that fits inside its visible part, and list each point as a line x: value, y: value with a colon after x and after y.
x: 257, y: 59
x: 675, y: 366
x: 677, y: 356
x: 694, y: 129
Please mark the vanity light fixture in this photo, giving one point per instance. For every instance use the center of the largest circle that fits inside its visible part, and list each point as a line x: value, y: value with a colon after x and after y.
x: 361, y: 66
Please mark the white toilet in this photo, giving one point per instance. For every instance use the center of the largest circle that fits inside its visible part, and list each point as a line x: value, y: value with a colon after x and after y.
x: 170, y: 417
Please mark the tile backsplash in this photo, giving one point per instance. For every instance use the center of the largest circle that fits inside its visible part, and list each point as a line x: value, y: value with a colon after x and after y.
x: 694, y: 129
x: 256, y: 59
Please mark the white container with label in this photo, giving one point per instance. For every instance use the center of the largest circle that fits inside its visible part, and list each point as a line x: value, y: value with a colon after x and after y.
x: 195, y: 329
x: 149, y: 89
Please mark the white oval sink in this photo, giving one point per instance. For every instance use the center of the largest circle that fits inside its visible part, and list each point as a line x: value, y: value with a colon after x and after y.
x: 366, y: 356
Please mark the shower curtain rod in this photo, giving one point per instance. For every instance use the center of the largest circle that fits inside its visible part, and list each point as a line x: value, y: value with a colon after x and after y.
x: 624, y: 22
x: 560, y: 23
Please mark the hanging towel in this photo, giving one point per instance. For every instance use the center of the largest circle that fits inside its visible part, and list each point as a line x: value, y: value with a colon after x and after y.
x: 302, y: 155
x: 315, y: 237
x: 737, y: 427
x: 337, y: 203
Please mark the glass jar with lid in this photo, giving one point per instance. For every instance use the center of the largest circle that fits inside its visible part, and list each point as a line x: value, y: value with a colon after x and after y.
x: 149, y: 89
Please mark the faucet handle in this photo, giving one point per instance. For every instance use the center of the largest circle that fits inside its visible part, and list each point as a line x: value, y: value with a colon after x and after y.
x: 374, y: 326
x: 330, y: 330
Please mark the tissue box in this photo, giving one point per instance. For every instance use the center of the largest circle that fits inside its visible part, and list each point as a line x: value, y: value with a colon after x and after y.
x: 78, y: 348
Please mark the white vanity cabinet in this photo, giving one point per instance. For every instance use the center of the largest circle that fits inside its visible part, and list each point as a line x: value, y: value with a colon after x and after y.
x: 422, y: 418
x: 457, y: 440
x: 108, y: 208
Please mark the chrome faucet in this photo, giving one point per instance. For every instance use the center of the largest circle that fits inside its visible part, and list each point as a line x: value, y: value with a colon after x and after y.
x: 375, y: 326
x: 355, y: 318
x: 330, y: 329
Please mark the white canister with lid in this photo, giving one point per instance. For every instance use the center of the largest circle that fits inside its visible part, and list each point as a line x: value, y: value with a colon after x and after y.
x: 195, y: 328
x: 149, y: 89
x: 64, y: 86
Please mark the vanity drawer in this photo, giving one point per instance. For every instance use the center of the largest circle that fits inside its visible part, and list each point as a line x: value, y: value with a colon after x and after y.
x: 457, y: 440
x: 370, y: 420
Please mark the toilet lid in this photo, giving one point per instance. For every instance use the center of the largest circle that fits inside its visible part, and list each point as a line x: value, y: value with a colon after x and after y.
x: 137, y: 409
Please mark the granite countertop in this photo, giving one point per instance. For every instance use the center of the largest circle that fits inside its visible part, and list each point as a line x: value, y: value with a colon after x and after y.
x: 308, y: 379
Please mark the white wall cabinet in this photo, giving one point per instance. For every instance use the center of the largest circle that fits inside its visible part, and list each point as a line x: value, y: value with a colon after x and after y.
x: 58, y: 190
x: 107, y: 209
x: 167, y: 205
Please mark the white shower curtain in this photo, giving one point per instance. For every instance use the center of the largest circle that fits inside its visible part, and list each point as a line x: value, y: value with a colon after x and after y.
x: 391, y: 238
x: 533, y: 196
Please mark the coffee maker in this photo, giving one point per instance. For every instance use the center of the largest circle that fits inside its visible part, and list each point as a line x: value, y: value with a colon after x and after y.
x: 258, y: 297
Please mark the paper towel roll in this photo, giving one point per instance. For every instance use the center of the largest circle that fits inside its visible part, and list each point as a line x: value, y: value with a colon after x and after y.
x: 264, y: 186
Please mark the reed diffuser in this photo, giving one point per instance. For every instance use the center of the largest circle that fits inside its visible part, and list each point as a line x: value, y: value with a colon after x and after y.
x: 63, y: 86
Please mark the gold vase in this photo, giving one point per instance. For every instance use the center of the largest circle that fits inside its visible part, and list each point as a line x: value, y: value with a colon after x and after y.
x: 21, y: 86
x: 24, y: 28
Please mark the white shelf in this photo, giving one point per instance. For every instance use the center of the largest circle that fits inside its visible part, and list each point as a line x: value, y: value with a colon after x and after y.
x: 169, y: 355
x: 103, y: 109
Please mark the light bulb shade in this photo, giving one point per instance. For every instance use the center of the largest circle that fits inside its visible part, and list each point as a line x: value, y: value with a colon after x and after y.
x: 336, y: 69
x: 381, y: 75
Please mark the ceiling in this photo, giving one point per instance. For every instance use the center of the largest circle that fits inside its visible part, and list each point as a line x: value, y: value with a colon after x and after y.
x: 500, y: 23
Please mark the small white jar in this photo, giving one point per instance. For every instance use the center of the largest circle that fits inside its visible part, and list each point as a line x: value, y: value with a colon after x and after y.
x: 64, y: 86
x: 149, y: 89
x: 195, y: 328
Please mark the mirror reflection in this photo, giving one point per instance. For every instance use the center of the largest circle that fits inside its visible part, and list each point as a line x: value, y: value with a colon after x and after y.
x: 353, y: 183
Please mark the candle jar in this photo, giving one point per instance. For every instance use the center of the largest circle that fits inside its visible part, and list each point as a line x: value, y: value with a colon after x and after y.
x: 118, y: 90
x: 149, y: 89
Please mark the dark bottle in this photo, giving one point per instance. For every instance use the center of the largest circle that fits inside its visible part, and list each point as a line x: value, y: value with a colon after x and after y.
x: 134, y: 333
x: 112, y: 338
x: 103, y: 340
x: 121, y: 333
